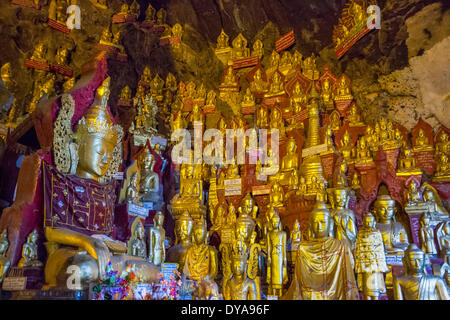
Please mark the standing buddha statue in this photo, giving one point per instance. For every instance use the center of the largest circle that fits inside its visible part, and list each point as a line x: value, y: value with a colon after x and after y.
x: 344, y: 218
x: 298, y: 98
x: 426, y: 235
x: 157, y: 240
x: 276, y: 258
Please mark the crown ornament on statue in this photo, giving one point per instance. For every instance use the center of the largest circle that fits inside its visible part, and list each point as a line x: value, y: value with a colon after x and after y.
x: 238, y: 252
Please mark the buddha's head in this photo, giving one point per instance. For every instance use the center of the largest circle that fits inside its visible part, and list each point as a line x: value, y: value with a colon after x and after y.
x: 291, y: 145
x: 326, y: 85
x: 425, y: 220
x: 443, y: 137
x: 239, y: 264
x: 183, y: 227
x: 296, y: 226
x: 369, y: 221
x: 258, y: 75
x: 247, y: 204
x: 412, y: 187
x: 319, y: 221
x: 146, y: 161
x: 126, y: 93
x: 428, y: 195
x: 96, y: 137
x: 414, y: 260
x: 199, y: 231
x: 245, y: 225
x: 33, y: 236
x: 146, y: 74
x: 343, y: 82
x: 384, y: 209
x: 340, y: 196
x: 158, y: 219
x: 275, y: 221
x: 139, y: 231
x: 421, y: 133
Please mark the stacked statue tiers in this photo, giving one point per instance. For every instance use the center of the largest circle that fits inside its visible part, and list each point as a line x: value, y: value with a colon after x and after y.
x: 77, y: 203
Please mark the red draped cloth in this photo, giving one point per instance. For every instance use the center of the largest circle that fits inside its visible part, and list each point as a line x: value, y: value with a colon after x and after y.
x: 78, y: 204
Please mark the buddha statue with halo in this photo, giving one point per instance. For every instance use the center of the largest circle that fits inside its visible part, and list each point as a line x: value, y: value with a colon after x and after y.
x: 343, y: 90
x: 421, y: 143
x: 258, y: 85
x: 326, y: 94
x: 276, y: 87
x: 354, y: 117
x: 407, y: 164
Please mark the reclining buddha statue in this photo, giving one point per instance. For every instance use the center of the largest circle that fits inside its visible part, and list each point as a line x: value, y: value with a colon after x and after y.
x: 74, y: 195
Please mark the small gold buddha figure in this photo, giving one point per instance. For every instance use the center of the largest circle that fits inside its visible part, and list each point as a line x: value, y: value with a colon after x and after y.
x: 39, y: 52
x: 258, y: 49
x: 30, y: 252
x: 433, y: 202
x: 276, y: 87
x: 229, y: 78
x: 413, y: 195
x: 370, y: 259
x: 354, y: 117
x: 331, y: 279
x: 136, y: 245
x: 258, y: 85
x: 356, y: 181
x: 239, y: 49
x: 202, y: 260
x: 274, y: 60
x: 297, y: 59
x: 422, y: 143
x: 233, y: 171
x: 426, y: 235
x: 309, y: 68
x: 230, y: 220
x: 125, y: 94
x: 161, y: 21
x: 222, y: 41
x: 298, y: 98
x: 326, y: 95
x: 124, y: 9
x: 248, y: 207
x: 346, y: 148
x: 363, y: 153
x: 7, y: 77
x: 277, y: 123
x: 343, y: 90
x: 262, y: 120
x: 132, y: 193
x: 156, y: 240
x: 407, y: 164
x: 289, y: 164
x: 107, y: 37
x: 296, y: 236
x: 286, y: 63
x: 302, y: 187
x: 443, y: 168
x: 344, y: 218
x: 146, y: 76
x: 276, y: 257
x: 4, y: 262
x: 239, y: 286
x: 276, y: 196
x: 183, y: 230
x: 248, y: 99
x: 443, y: 146
x: 135, y: 8
x: 335, y: 121
x: 156, y: 87
x: 218, y: 217
x: 394, y: 234
x: 150, y: 13
x: 415, y: 284
x: 211, y: 98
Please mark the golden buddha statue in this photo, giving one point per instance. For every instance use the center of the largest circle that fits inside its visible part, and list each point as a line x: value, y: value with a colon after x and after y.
x: 222, y: 41
x: 344, y: 219
x: 258, y: 49
x: 231, y: 216
x: 4, y: 262
x: 354, y: 117
x: 296, y: 236
x: 431, y: 199
x: 161, y: 21
x: 407, y: 164
x: 394, y: 234
x: 276, y: 196
x: 106, y: 37
x: 298, y: 98
x: 416, y: 284
x: 124, y: 9
x: 326, y: 95
x: 262, y: 120
x: 343, y: 90
x: 146, y: 76
x: 370, y: 259
x: 136, y: 244
x: 239, y: 286
x: 239, y: 50
x: 218, y: 217
x: 297, y: 59
x: 171, y: 82
x: 132, y: 192
x: 230, y: 78
x: 258, y: 84
x: 183, y: 230
x: 303, y: 187
x: 277, y: 123
x: 248, y: 207
x: 149, y: 185
x: 363, y: 153
x: 233, y: 171
x: 309, y: 68
x: 289, y: 164
x: 7, y: 77
x: 125, y: 93
x: 276, y: 258
x: 30, y: 252
x: 443, y: 146
x: 421, y: 143
x: 335, y: 121
x: 426, y: 235
x: 39, y: 52
x: 156, y: 240
x: 286, y: 63
x: 346, y: 148
x: 323, y: 265
x: 150, y: 13
x: 248, y: 99
x: 276, y: 87
x: 412, y: 195
x: 156, y: 87
x: 442, y: 169
x: 202, y: 260
x: 356, y: 183
x: 135, y: 8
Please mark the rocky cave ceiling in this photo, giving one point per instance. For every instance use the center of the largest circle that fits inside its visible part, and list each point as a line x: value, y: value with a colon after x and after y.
x: 401, y: 70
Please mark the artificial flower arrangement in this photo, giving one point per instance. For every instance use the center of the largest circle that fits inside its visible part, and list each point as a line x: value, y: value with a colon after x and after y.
x: 131, y: 286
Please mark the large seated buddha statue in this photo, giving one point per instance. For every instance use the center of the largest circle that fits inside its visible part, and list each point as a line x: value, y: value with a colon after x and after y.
x: 79, y: 196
